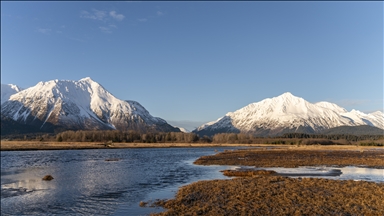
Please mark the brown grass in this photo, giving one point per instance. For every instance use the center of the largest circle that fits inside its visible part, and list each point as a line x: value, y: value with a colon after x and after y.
x: 45, y: 145
x: 247, y: 173
x: 37, y: 145
x: 296, y: 157
x: 275, y: 195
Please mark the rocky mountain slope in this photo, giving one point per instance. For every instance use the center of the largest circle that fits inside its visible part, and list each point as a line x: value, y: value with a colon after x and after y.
x: 78, y: 105
x: 286, y: 114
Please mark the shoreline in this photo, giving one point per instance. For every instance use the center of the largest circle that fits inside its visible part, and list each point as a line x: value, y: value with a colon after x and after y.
x: 269, y: 193
x: 47, y: 145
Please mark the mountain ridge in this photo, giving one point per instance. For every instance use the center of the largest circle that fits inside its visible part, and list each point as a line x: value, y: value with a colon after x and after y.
x: 287, y: 113
x: 7, y: 90
x: 82, y: 104
x: 86, y: 104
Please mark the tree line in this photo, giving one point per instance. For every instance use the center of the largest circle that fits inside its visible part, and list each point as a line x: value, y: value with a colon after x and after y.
x: 221, y: 138
x: 126, y: 137
x: 298, y: 139
x: 347, y: 137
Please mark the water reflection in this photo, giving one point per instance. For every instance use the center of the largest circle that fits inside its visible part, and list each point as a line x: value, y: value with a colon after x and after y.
x: 85, y: 183
x: 341, y: 173
x: 358, y: 173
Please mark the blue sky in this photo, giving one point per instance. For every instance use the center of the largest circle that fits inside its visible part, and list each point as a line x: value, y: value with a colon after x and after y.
x: 192, y: 62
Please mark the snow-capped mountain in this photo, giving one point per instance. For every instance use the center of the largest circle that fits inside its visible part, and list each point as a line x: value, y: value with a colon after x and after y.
x: 288, y: 113
x: 82, y: 104
x: 7, y: 90
x: 183, y: 130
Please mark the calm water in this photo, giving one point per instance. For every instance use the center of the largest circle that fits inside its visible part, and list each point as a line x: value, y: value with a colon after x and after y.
x: 336, y: 173
x: 84, y: 183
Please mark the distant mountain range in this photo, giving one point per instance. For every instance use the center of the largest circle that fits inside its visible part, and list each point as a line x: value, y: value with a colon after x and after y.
x: 75, y: 105
x: 7, y: 90
x: 59, y: 105
x: 290, y: 114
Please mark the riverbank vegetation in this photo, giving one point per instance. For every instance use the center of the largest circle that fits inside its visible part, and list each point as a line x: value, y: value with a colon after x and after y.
x: 291, y: 157
x: 275, y: 195
x: 264, y: 192
x: 115, y: 136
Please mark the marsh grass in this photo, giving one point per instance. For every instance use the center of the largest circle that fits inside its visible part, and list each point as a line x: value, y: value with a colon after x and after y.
x: 247, y: 173
x: 255, y: 194
x: 295, y: 157
x: 275, y: 195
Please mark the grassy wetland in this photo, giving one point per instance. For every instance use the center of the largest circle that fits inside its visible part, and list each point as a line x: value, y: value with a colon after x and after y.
x: 295, y: 157
x: 275, y: 195
x: 264, y: 192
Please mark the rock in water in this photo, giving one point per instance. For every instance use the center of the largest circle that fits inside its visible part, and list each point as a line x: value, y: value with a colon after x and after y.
x: 47, y: 178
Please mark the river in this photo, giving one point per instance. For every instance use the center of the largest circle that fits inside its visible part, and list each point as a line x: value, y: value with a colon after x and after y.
x: 111, y: 181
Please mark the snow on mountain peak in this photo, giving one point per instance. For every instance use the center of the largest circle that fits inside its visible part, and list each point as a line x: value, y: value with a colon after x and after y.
x: 288, y: 98
x: 7, y: 90
x: 287, y: 94
x: 331, y: 106
x: 377, y: 113
x: 288, y: 112
x: 87, y: 79
x: 357, y: 112
x: 183, y: 130
x: 83, y: 104
x: 15, y: 87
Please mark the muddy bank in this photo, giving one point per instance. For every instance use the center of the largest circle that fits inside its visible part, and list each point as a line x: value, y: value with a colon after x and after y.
x: 276, y: 195
x: 294, y: 158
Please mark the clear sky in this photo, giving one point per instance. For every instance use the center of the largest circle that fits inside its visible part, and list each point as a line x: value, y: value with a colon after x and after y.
x: 192, y: 62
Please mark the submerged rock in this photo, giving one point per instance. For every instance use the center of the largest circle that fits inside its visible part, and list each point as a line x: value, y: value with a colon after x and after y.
x: 47, y: 178
x: 112, y: 159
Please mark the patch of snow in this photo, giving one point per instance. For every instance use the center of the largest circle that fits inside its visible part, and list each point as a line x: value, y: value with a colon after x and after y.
x: 331, y: 106
x: 7, y: 90
x: 184, y: 130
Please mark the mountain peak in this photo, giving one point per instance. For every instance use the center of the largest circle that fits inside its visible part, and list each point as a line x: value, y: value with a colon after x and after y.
x: 288, y: 113
x: 74, y: 105
x: 377, y: 112
x: 15, y: 87
x: 287, y: 94
x: 87, y: 79
x: 288, y: 99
